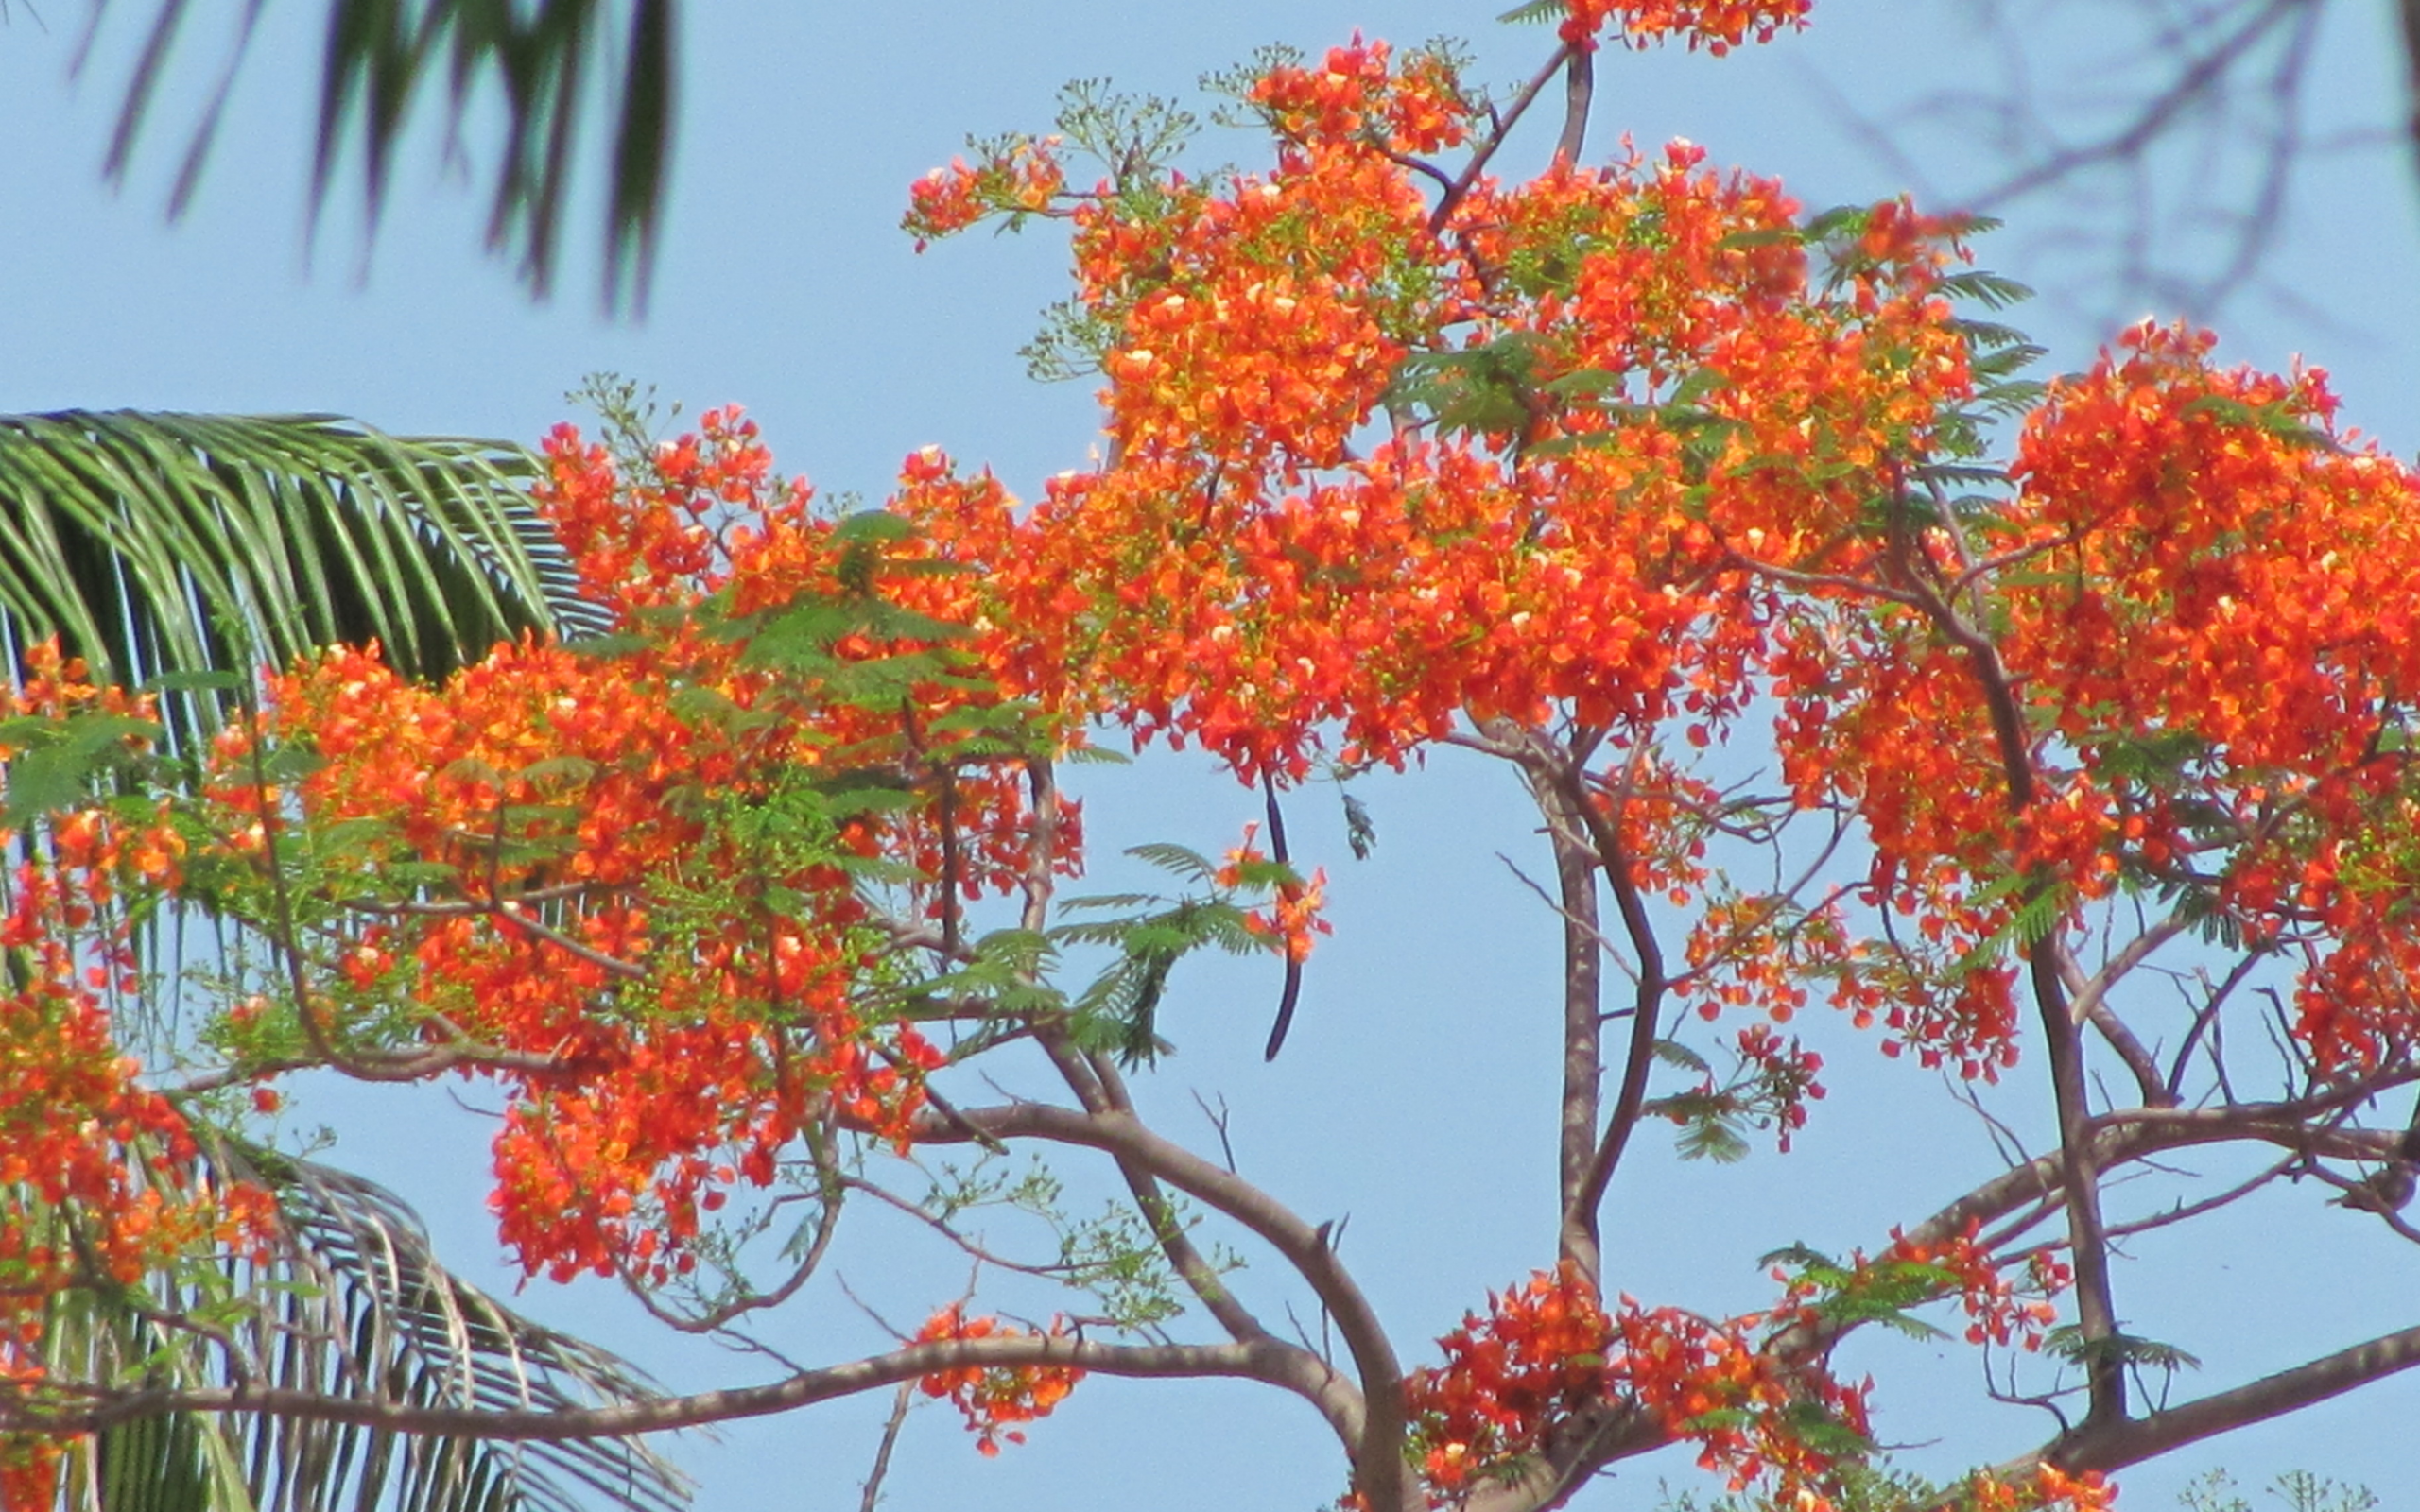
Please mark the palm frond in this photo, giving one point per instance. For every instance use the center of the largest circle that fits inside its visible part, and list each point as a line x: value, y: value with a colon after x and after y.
x: 154, y: 543
x: 353, y: 1304
x: 548, y: 60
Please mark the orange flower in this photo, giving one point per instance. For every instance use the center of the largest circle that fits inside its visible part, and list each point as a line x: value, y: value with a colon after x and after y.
x: 995, y: 1397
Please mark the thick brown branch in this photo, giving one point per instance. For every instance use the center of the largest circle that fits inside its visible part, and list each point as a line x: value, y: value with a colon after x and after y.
x: 1581, y: 1446
x: 1277, y: 1364
x: 2000, y: 699
x: 1578, y: 93
x: 1575, y: 866
x: 1370, y: 1420
x: 1648, y: 1003
x: 2134, y: 1134
x: 1041, y: 844
x: 381, y: 1066
x: 2115, y: 1446
x: 1200, y: 1277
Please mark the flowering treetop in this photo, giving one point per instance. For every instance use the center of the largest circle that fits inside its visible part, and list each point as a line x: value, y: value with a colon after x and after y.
x: 1614, y: 475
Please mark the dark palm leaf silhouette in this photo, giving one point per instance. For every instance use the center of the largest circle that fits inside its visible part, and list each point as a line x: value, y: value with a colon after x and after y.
x: 352, y: 1303
x: 555, y: 62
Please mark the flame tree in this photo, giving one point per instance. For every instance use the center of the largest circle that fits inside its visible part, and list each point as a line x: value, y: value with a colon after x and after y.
x: 1630, y: 477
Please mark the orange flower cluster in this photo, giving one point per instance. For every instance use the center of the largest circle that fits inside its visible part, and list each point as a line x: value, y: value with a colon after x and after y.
x: 1718, y: 25
x: 2234, y: 592
x: 1627, y: 413
x: 29, y: 1471
x: 1292, y: 915
x: 1252, y: 571
x: 2000, y: 1309
x: 1784, y: 1077
x: 1538, y: 1356
x: 1359, y: 94
x: 1740, y: 1403
x: 1020, y: 177
x: 2208, y: 619
x: 102, y: 1167
x: 1548, y: 1351
x: 666, y: 978
x: 1756, y: 953
x: 2047, y: 1489
x: 993, y: 1399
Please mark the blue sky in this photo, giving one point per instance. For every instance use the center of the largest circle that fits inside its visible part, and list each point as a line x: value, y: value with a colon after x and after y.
x: 1413, y: 1097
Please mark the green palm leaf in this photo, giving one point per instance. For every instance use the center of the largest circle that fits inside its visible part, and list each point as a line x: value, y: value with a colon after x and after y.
x: 154, y: 543
x: 353, y: 1303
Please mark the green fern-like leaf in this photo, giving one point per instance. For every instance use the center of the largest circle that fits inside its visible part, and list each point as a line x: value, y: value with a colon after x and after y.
x: 1175, y: 859
x: 1990, y: 290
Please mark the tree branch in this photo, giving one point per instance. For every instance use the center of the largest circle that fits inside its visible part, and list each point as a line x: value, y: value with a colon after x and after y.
x: 2089, y: 1003
x: 1200, y: 1277
x: 1452, y: 199
x: 1578, y: 93
x: 2115, y: 1446
x: 1583, y: 1028
x: 1370, y: 1421
x: 1277, y: 1364
x: 1605, y: 838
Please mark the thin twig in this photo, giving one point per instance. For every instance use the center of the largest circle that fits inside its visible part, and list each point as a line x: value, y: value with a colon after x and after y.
x: 899, y: 1406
